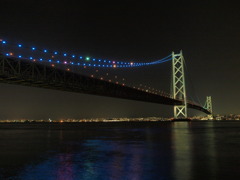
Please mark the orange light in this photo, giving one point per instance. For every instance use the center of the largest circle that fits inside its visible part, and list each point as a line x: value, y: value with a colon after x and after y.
x: 110, y: 80
x: 101, y: 78
x: 52, y: 56
x: 84, y: 67
x: 10, y: 53
x: 68, y: 69
x: 131, y: 63
x: 53, y: 65
x: 114, y: 66
x: 116, y: 82
x: 91, y: 75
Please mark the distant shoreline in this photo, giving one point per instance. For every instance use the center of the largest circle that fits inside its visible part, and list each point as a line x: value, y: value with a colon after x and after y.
x: 106, y: 121
x: 98, y: 126
x: 110, y: 122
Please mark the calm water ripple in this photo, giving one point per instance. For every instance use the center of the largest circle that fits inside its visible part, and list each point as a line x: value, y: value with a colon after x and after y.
x: 121, y: 151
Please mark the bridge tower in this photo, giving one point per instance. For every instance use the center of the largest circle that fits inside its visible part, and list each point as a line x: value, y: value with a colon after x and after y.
x: 208, y: 106
x: 178, y: 83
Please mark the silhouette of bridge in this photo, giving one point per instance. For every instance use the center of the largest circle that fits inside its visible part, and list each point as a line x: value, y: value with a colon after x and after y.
x: 30, y: 66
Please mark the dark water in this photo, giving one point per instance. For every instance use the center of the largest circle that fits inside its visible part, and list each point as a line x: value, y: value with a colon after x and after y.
x: 102, y: 151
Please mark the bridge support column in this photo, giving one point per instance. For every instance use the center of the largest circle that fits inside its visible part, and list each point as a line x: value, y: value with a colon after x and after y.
x: 178, y: 83
x: 208, y: 106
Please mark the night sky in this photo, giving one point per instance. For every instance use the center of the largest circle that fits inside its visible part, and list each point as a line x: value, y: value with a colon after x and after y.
x: 208, y: 32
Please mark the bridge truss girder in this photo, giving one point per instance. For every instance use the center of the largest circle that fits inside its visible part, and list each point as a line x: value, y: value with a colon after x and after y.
x: 29, y: 73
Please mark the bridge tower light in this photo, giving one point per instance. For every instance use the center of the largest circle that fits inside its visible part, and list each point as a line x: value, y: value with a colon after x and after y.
x: 178, y: 83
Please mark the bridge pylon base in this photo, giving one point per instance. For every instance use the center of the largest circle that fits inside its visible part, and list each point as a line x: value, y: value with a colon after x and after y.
x: 181, y: 119
x: 210, y: 117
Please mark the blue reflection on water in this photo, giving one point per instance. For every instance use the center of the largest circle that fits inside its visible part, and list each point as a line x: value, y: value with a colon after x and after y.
x: 165, y: 151
x: 97, y: 159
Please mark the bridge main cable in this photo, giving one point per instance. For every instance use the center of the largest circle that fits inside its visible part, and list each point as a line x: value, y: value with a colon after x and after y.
x: 55, y: 57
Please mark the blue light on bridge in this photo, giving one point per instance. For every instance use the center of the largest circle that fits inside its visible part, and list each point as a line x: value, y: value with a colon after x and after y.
x: 104, y: 62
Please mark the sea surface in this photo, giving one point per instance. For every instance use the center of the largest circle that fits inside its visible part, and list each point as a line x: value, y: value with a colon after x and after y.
x: 120, y: 151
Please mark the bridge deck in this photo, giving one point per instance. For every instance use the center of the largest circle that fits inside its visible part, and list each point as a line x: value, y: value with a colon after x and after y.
x: 27, y: 73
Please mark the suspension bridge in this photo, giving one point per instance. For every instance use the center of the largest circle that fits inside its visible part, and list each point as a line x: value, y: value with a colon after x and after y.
x: 32, y: 66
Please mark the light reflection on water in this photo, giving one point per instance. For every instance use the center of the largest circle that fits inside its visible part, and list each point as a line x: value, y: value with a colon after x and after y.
x: 179, y: 150
x: 182, y: 149
x: 101, y: 160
